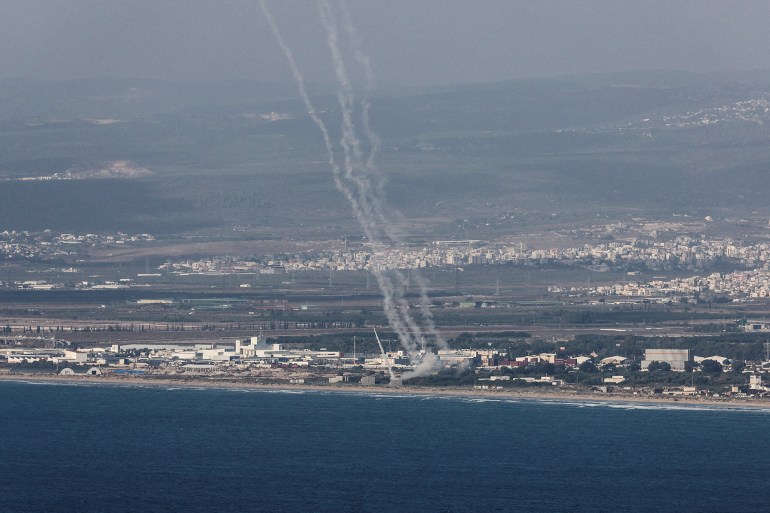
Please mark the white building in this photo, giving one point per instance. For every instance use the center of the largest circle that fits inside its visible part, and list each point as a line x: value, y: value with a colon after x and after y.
x: 257, y: 347
x: 75, y: 356
x: 676, y: 358
x: 217, y: 354
x: 755, y: 382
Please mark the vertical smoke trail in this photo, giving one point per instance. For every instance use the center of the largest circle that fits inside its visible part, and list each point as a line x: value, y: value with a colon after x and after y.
x: 354, y: 179
x: 358, y: 170
x: 351, y: 148
x: 427, y: 315
x: 391, y: 307
x: 300, y: 81
x: 350, y: 143
x: 363, y: 61
x: 385, y: 359
x: 372, y: 212
x: 347, y: 102
x: 374, y: 144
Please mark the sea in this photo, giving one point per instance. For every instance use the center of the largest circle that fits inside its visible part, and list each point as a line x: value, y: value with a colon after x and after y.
x: 113, y: 448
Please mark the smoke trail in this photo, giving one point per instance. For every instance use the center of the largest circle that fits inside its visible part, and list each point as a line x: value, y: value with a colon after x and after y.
x: 385, y: 358
x: 300, y: 81
x: 354, y: 176
x: 374, y: 144
x: 351, y: 148
x: 363, y: 61
x: 351, y: 142
x: 363, y: 214
x: 372, y: 213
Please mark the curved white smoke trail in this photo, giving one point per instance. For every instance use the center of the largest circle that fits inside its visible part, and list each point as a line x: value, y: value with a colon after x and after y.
x: 357, y: 178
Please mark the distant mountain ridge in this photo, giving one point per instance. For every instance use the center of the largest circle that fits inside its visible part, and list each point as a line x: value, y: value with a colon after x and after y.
x: 224, y: 153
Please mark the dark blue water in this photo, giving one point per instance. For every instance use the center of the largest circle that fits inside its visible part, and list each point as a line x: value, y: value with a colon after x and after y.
x: 126, y: 449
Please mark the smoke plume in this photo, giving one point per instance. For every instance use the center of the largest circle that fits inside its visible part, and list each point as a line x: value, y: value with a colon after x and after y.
x: 357, y: 177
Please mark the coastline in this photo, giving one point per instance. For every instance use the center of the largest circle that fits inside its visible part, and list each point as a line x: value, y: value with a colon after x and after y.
x: 557, y: 395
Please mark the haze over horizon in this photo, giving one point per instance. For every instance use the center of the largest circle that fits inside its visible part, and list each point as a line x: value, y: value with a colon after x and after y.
x: 411, y: 43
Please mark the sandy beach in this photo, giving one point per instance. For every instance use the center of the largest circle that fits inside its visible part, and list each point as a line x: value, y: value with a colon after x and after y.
x: 555, y: 395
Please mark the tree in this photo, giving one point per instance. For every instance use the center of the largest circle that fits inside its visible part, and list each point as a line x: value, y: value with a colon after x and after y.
x: 711, y: 367
x: 659, y: 366
x: 588, y: 366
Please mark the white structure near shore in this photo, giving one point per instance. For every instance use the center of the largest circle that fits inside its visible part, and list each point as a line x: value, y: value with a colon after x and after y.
x: 676, y: 358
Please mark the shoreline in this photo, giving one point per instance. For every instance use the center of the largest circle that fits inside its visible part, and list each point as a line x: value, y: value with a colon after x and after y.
x: 559, y: 395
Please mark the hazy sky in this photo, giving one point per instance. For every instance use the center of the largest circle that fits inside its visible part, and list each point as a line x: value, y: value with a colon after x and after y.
x: 410, y: 42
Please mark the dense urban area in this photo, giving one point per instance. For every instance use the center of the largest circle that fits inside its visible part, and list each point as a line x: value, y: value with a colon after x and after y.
x: 278, y: 318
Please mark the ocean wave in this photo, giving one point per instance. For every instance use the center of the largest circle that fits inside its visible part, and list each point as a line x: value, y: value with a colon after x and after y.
x: 656, y: 406
x: 284, y: 391
x: 481, y: 400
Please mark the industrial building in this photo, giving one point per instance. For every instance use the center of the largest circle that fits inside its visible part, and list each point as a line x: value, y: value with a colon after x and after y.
x: 676, y: 358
